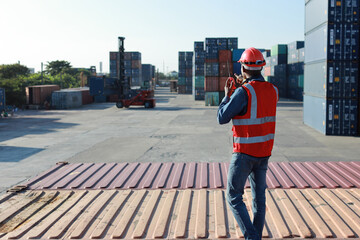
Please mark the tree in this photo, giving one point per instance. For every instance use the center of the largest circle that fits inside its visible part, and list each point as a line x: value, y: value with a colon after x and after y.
x: 57, y: 67
x: 12, y: 71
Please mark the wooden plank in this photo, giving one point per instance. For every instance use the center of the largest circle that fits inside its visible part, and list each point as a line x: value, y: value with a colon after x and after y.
x: 162, y: 222
x: 315, y: 221
x: 351, y: 201
x: 175, y: 183
x: 183, y: 214
x: 21, y: 205
x: 111, y: 211
x: 49, y: 221
x: 220, y: 224
x: 53, y: 179
x: 104, y: 171
x: 204, y: 175
x: 191, y: 175
x: 294, y: 175
x: 91, y: 213
x: 350, y: 168
x: 328, y: 214
x: 345, y: 173
x: 297, y: 220
x: 281, y: 176
x: 68, y: 219
x: 43, y: 175
x: 138, y: 175
x: 164, y: 174
x: 124, y: 176
x: 217, y: 175
x: 151, y: 175
x: 111, y: 176
x: 275, y: 214
x: 334, y: 175
x: 40, y: 216
x: 67, y: 180
x: 308, y: 177
x: 346, y: 213
x: 89, y: 174
x: 201, y: 215
x: 146, y: 215
x: 129, y: 214
x: 271, y: 181
x: 328, y: 182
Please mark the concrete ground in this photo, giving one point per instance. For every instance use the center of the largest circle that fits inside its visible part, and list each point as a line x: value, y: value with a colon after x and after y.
x: 179, y: 129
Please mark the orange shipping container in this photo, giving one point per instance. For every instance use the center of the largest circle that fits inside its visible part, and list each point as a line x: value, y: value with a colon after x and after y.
x: 225, y: 69
x: 136, y: 64
x: 225, y: 56
x: 211, y: 84
x: 222, y: 83
x: 37, y: 95
x: 267, y: 71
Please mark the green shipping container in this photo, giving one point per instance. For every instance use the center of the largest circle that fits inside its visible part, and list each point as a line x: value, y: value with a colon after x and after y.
x: 182, y: 81
x: 213, y: 98
x: 279, y: 49
x: 199, y: 81
x: 301, y: 81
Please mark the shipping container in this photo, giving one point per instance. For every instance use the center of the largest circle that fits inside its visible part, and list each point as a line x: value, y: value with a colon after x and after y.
x: 212, y: 98
x: 99, y: 98
x: 113, y: 56
x: 225, y: 69
x: 181, y: 56
x: 66, y: 99
x: 182, y: 81
x: 279, y: 49
x: 210, y: 41
x: 295, y: 45
x: 266, y: 53
x: 295, y: 93
x: 237, y: 68
x: 278, y: 59
x: 339, y: 41
x: 127, y: 56
x: 38, y: 94
x: 136, y: 64
x: 293, y: 56
x: 302, y: 55
x: 2, y: 99
x: 211, y: 84
x: 198, y: 46
x: 318, y: 12
x: 331, y: 116
x: 199, y: 82
x: 212, y: 69
x: 199, y: 94
x: 236, y: 54
x: 222, y: 82
x: 332, y: 79
x: 225, y: 56
x: 212, y: 52
x: 295, y: 68
x: 135, y: 56
x: 232, y: 43
x: 222, y: 43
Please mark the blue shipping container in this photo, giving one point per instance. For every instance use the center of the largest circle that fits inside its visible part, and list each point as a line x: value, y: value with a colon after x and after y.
x: 96, y: 85
x: 237, y: 68
x: 236, y: 54
x: 2, y: 99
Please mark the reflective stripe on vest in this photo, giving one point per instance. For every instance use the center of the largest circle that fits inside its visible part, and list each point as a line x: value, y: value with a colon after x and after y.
x: 277, y: 92
x: 253, y: 108
x: 239, y: 122
x: 259, y: 139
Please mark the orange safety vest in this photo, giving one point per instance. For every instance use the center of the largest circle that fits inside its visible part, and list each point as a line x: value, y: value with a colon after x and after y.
x: 253, y: 133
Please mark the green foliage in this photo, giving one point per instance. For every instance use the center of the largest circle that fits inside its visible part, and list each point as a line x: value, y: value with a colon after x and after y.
x: 59, y: 66
x: 15, y: 78
x: 13, y: 70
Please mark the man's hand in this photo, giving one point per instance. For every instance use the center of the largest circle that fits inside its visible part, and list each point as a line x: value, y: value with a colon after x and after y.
x: 239, y: 79
x: 228, y: 85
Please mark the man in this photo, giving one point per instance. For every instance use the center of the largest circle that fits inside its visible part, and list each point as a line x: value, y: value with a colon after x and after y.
x: 252, y: 109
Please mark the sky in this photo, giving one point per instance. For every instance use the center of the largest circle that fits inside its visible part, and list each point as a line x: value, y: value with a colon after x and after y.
x: 83, y: 32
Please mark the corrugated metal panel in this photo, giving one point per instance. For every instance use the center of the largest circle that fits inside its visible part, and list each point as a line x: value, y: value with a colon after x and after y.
x: 192, y: 175
x: 171, y: 214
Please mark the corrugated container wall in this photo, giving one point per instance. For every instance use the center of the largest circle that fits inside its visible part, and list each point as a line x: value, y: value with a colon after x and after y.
x: 37, y: 95
x: 2, y: 99
x: 66, y: 99
x: 185, y: 76
x: 331, y: 78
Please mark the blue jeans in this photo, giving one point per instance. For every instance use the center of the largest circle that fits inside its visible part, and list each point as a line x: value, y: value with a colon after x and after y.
x: 243, y: 166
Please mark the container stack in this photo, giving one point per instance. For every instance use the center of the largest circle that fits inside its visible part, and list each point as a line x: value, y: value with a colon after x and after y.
x: 295, y: 70
x: 132, y: 64
x: 275, y: 69
x: 218, y: 65
x: 147, y: 75
x: 2, y: 99
x: 331, y: 66
x: 236, y: 55
x: 199, y: 71
x: 185, y: 72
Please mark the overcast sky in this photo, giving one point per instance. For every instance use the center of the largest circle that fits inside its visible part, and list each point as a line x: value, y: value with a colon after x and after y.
x: 83, y: 32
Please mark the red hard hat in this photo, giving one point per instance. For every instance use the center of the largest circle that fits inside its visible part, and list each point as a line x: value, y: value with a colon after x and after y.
x: 252, y: 59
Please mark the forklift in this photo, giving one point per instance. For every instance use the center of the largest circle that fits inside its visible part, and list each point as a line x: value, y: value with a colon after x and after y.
x: 128, y: 96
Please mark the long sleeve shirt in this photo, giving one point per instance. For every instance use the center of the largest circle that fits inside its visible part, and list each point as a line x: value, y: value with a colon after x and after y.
x: 236, y: 105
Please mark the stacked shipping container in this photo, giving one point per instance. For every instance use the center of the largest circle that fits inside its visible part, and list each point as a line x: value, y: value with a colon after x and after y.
x: 275, y: 70
x: 132, y: 64
x: 218, y: 66
x: 199, y: 71
x: 2, y: 99
x: 185, y: 72
x: 295, y: 70
x: 331, y: 66
x: 147, y: 75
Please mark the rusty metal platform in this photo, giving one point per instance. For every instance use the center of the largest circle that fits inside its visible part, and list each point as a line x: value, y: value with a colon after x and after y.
x: 192, y: 175
x: 171, y: 214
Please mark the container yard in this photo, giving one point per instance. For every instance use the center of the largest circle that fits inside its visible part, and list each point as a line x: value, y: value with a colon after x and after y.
x: 140, y: 151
